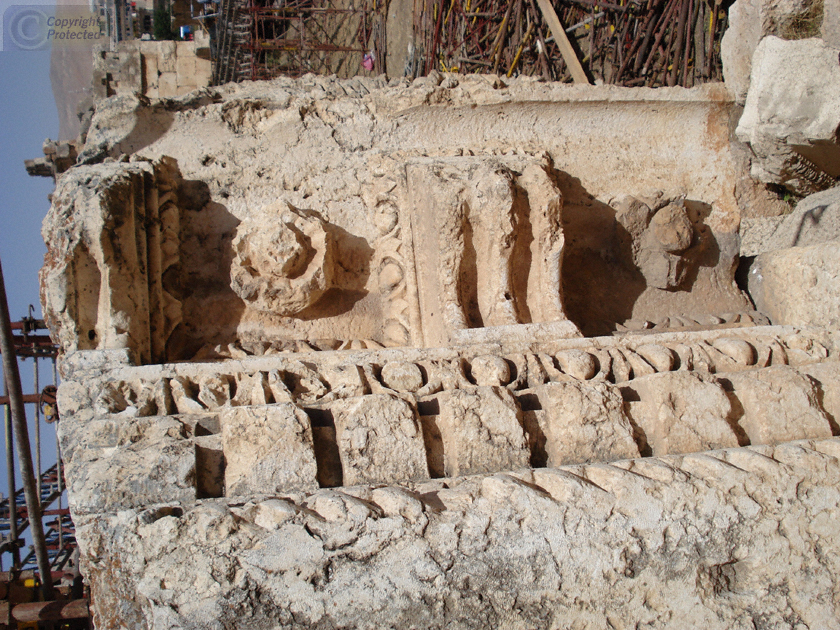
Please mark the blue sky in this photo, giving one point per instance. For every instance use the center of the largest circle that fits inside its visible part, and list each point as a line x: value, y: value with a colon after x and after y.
x: 28, y: 115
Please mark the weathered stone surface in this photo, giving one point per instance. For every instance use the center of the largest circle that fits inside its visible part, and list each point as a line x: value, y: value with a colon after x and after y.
x: 793, y: 140
x: 663, y: 237
x: 578, y: 363
x: 489, y: 244
x: 348, y: 284
x: 267, y: 450
x: 799, y: 286
x: 815, y: 220
x: 402, y: 376
x: 776, y: 405
x: 745, y: 541
x: 333, y: 148
x: 680, y: 412
x: 482, y: 431
x: 103, y: 285
x: 490, y: 371
x: 379, y: 439
x: 738, y: 45
x: 830, y: 27
x: 751, y: 20
x: 827, y: 379
x: 286, y: 268
x: 584, y: 423
x: 263, y: 543
x: 122, y: 463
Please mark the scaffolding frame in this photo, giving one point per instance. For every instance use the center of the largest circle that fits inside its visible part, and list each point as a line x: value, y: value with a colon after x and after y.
x: 264, y: 39
x: 53, y: 558
x: 29, y: 343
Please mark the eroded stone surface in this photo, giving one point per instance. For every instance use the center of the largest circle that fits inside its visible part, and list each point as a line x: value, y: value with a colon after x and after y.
x: 481, y: 431
x: 346, y: 154
x: 680, y: 412
x: 815, y: 220
x: 584, y: 423
x: 395, y: 557
x: 380, y: 289
x: 379, y: 439
x: 794, y: 141
x: 799, y: 285
x: 827, y: 378
x: 777, y: 405
x: 267, y: 449
x: 128, y: 462
x: 283, y: 262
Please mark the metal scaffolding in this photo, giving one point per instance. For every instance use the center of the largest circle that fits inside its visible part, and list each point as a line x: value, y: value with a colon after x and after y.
x: 26, y: 586
x: 263, y: 39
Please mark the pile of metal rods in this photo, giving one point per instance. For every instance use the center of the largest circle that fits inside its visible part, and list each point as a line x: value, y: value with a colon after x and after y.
x: 633, y: 43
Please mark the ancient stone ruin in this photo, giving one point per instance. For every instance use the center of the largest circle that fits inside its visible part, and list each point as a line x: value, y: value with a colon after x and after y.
x: 462, y: 352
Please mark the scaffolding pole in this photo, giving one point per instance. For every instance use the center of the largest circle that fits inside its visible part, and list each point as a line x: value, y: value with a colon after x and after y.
x: 33, y: 504
x: 10, y: 475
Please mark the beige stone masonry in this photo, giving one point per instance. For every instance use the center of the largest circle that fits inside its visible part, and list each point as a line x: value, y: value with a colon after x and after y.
x: 267, y: 449
x: 462, y: 352
x: 379, y: 438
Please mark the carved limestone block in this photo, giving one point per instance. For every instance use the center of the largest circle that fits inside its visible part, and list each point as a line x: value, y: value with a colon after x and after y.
x: 481, y: 431
x: 657, y: 239
x: 112, y: 234
x: 283, y: 260
x: 827, y: 378
x: 488, y: 242
x: 584, y: 422
x: 267, y: 449
x: 776, y: 405
x: 155, y: 460
x: 379, y: 438
x: 680, y: 412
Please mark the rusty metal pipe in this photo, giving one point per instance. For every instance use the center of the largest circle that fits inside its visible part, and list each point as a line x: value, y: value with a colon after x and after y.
x: 27, y: 398
x: 58, y: 460
x: 10, y: 476
x: 51, y: 611
x: 37, y: 381
x: 33, y: 502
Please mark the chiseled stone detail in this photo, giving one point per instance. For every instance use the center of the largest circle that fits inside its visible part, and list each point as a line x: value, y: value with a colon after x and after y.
x: 284, y: 260
x: 328, y: 368
x: 324, y: 377
x: 481, y: 431
x: 379, y: 440
x: 267, y: 449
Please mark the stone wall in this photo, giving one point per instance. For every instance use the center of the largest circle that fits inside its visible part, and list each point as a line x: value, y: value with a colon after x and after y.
x: 156, y: 69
